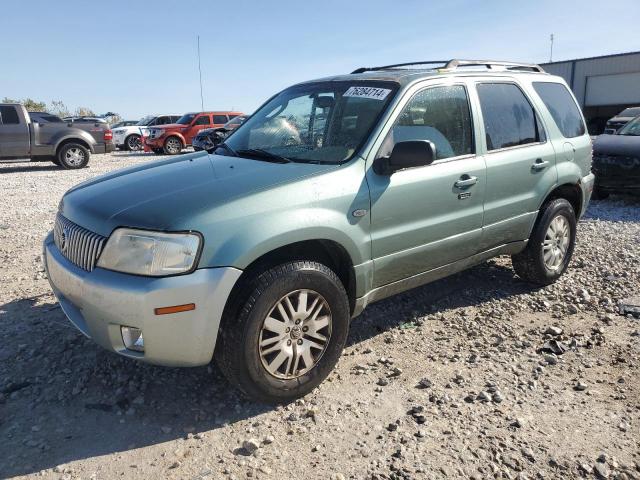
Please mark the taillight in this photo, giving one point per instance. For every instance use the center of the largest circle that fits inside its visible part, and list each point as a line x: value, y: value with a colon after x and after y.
x: 108, y: 135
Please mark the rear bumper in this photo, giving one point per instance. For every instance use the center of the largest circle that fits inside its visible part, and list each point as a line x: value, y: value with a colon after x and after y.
x: 586, y: 185
x: 104, y: 147
x: 98, y: 303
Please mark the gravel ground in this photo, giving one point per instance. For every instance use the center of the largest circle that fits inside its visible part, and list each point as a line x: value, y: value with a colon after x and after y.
x: 475, y: 376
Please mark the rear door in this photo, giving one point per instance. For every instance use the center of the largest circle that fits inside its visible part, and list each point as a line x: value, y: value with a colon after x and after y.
x: 14, y: 133
x: 520, y: 161
x: 423, y: 218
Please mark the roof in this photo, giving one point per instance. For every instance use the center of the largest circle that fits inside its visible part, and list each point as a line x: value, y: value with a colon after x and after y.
x: 406, y: 73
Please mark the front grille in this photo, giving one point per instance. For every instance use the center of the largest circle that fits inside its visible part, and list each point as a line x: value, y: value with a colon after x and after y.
x: 78, y: 245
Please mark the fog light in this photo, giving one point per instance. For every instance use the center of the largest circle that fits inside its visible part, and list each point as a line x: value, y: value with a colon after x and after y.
x: 132, y: 338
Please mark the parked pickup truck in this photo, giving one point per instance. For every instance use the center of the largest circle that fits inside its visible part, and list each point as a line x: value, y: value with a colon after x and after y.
x: 41, y: 136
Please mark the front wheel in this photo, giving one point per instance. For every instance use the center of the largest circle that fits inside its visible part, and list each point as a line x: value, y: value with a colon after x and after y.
x: 284, y: 331
x: 133, y: 143
x: 172, y: 146
x: 73, y: 156
x: 550, y: 246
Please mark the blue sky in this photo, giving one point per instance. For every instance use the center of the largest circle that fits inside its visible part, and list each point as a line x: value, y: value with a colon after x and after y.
x: 136, y: 58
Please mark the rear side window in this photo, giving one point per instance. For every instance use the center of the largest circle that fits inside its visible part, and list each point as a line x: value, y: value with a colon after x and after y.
x: 562, y: 108
x: 219, y: 119
x: 203, y: 120
x: 8, y: 115
x: 509, y: 118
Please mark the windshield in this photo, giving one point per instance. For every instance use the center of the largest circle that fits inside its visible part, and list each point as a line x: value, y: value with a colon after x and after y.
x: 186, y: 119
x: 630, y: 112
x: 631, y: 128
x: 145, y: 120
x: 319, y: 122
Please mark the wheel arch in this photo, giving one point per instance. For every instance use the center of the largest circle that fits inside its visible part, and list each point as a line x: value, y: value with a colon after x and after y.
x: 328, y: 252
x: 570, y: 192
x: 69, y: 140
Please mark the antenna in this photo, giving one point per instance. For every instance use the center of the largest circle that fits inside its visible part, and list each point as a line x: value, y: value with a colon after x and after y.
x: 200, y: 72
x: 551, y: 53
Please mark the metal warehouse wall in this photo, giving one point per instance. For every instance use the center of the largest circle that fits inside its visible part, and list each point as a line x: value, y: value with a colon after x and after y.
x: 577, y: 72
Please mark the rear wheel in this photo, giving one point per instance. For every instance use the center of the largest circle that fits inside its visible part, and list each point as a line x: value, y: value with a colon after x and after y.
x: 550, y: 246
x: 133, y: 143
x: 73, y: 156
x: 284, y: 331
x: 172, y: 146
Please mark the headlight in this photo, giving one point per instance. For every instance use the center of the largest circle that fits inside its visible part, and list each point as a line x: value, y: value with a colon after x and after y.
x: 153, y: 254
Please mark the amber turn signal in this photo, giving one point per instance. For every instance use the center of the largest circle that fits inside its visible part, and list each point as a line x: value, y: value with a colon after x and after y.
x: 175, y: 309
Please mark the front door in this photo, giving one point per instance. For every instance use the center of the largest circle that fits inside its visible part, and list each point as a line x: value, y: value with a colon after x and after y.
x: 520, y: 162
x: 426, y: 217
x: 14, y: 135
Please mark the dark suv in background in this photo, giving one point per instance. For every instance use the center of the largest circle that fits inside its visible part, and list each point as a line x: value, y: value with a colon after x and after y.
x: 620, y: 120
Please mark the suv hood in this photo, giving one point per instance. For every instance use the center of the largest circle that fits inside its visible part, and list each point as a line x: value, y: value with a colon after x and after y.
x: 165, y: 195
x: 621, y: 145
x: 170, y: 125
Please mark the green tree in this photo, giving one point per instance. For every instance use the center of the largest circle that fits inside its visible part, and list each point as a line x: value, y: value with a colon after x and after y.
x: 57, y: 107
x: 84, y: 112
x: 30, y: 104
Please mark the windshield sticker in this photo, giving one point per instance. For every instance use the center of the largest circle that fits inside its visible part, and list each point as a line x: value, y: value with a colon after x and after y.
x: 367, y: 92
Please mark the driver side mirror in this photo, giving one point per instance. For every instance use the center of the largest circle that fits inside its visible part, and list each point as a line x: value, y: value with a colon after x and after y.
x: 409, y: 154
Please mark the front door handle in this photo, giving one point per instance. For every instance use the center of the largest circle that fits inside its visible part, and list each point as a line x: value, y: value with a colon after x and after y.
x: 466, y: 181
x: 540, y: 164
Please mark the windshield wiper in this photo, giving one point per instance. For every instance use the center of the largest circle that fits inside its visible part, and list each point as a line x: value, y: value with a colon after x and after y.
x: 229, y: 149
x: 261, y: 154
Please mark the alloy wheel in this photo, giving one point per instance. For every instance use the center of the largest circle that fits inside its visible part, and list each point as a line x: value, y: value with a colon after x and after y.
x: 74, y: 156
x: 556, y: 242
x: 295, y: 334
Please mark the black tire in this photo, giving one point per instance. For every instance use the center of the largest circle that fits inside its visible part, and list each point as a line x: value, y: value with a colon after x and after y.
x: 55, y: 161
x: 237, y: 351
x: 73, y: 156
x: 529, y: 264
x: 172, y: 145
x: 132, y: 143
x: 598, y: 194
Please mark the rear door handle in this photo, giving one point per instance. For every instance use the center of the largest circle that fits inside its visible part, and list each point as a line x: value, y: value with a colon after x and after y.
x: 540, y: 164
x: 466, y: 181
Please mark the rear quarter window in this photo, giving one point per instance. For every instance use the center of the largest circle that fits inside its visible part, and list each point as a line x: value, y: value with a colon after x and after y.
x: 8, y: 115
x: 562, y: 108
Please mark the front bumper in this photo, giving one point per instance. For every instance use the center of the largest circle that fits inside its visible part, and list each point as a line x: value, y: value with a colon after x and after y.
x: 157, y: 142
x: 118, y: 139
x: 106, y: 147
x: 99, y: 302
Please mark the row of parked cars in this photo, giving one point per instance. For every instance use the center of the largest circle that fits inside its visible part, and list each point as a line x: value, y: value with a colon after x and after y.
x: 70, y: 141
x: 169, y: 134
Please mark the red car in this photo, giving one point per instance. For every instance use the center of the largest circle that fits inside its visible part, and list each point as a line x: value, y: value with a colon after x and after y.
x: 171, y: 139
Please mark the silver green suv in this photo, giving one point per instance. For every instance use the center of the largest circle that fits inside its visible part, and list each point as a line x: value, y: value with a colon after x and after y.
x: 334, y: 194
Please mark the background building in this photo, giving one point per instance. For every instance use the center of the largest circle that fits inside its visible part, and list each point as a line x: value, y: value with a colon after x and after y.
x: 603, y: 85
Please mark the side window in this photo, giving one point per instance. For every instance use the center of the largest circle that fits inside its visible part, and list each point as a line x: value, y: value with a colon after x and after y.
x: 562, y: 108
x: 174, y: 118
x: 202, y: 120
x: 509, y: 118
x: 438, y: 114
x: 9, y: 115
x: 219, y: 119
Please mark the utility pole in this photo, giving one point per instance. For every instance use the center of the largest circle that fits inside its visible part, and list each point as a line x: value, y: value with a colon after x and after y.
x: 551, y: 53
x: 200, y: 72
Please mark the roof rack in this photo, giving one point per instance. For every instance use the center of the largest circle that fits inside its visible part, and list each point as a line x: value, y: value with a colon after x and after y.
x: 457, y: 63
